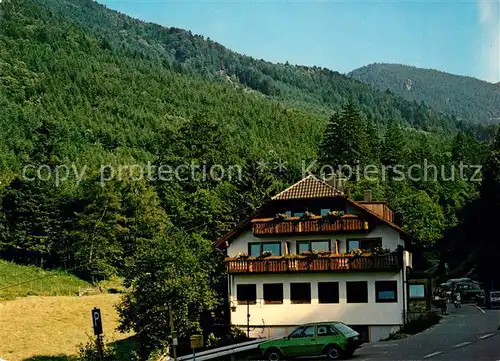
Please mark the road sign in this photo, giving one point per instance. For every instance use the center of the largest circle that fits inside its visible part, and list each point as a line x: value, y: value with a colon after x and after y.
x: 97, y: 321
x: 196, y: 341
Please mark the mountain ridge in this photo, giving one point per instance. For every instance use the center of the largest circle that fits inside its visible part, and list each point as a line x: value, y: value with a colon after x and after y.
x: 464, y: 97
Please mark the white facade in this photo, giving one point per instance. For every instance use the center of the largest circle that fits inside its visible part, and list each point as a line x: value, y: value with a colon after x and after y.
x: 390, y: 240
x: 278, y: 319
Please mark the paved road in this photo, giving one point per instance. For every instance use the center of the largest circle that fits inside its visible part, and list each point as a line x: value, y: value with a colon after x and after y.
x: 466, y: 334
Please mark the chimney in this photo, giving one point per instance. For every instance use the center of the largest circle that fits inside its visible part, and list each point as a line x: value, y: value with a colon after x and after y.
x: 367, y: 197
x: 334, y: 181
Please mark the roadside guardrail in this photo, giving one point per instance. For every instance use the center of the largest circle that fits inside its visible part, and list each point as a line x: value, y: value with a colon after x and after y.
x: 222, y: 351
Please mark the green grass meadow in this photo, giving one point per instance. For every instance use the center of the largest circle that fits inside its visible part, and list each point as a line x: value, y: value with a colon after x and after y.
x: 20, y: 281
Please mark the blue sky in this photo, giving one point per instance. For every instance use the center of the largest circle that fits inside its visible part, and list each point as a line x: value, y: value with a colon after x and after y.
x: 460, y: 37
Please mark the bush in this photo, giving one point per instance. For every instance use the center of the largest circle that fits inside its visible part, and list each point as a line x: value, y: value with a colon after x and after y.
x: 225, y: 336
x: 90, y: 352
x: 421, y: 323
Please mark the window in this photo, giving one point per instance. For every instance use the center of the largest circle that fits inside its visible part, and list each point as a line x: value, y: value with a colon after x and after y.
x: 298, y: 214
x: 273, y: 293
x: 367, y: 244
x: 246, y: 293
x: 297, y: 332
x: 305, y: 331
x: 357, y: 292
x: 352, y: 244
x: 417, y: 291
x: 308, y: 332
x: 328, y: 292
x: 468, y: 286
x: 288, y: 213
x: 274, y: 248
x: 324, y: 212
x: 320, y: 245
x: 326, y: 330
x: 300, y: 292
x: 386, y: 291
x: 342, y: 327
x: 309, y: 246
x: 302, y: 247
x: 256, y: 249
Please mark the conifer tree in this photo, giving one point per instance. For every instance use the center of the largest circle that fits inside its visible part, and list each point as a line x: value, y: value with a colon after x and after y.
x: 329, y: 149
x: 373, y: 144
x: 31, y: 221
x: 344, y: 142
x: 393, y: 149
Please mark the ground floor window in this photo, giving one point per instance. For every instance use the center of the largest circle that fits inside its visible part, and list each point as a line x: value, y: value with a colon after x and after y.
x: 300, y: 292
x: 386, y: 291
x: 246, y: 294
x: 357, y: 291
x: 273, y: 293
x: 328, y: 292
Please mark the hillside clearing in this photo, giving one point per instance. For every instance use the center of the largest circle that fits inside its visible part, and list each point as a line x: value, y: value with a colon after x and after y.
x: 34, y: 281
x: 53, y: 326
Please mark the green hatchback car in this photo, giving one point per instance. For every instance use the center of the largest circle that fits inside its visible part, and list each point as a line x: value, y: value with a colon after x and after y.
x: 335, y: 340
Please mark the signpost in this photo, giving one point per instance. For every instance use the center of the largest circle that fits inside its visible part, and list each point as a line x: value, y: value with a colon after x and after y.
x: 97, y: 321
x: 196, y: 342
x: 97, y: 325
x: 175, y: 343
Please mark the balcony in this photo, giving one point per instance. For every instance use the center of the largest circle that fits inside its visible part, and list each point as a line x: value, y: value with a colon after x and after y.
x: 333, y: 263
x: 315, y: 224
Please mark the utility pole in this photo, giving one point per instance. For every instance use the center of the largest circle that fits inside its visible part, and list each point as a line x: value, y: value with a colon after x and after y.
x: 248, y: 319
x: 172, y: 331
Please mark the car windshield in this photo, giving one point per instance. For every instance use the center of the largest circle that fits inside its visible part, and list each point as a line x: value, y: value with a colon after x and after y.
x: 469, y: 286
x: 343, y: 328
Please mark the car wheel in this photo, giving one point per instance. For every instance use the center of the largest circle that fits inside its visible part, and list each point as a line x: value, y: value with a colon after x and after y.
x: 273, y: 354
x: 334, y: 352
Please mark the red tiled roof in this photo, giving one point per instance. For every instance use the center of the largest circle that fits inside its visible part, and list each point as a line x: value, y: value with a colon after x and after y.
x: 309, y: 187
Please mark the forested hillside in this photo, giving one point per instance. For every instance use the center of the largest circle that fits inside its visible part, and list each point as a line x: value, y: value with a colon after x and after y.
x: 463, y: 97
x: 313, y: 88
x: 83, y: 86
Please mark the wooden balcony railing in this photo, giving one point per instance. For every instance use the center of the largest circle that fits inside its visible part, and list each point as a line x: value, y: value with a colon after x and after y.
x: 389, y: 262
x: 272, y: 227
